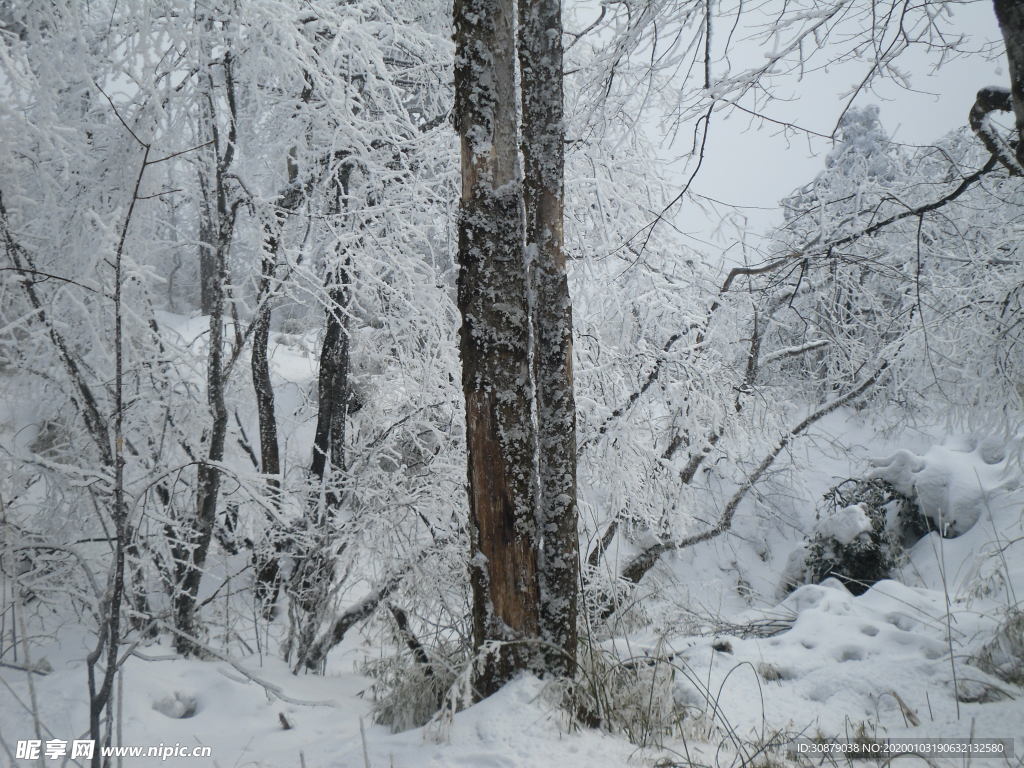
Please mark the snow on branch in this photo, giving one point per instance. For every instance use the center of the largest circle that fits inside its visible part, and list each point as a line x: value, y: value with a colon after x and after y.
x: 994, y: 99
x: 642, y: 563
x: 794, y: 351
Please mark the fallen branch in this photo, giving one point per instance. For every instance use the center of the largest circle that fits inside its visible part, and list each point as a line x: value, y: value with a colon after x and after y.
x: 39, y: 668
x: 270, y: 688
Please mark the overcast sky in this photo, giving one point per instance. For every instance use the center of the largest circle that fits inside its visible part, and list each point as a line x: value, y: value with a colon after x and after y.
x: 754, y: 165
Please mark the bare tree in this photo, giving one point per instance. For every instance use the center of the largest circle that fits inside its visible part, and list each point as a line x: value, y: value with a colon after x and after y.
x: 217, y: 225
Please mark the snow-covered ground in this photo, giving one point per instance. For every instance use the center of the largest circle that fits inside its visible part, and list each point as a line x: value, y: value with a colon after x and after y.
x: 739, y: 667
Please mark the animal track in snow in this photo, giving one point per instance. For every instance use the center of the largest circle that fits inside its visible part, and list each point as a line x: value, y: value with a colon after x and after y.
x: 901, y: 621
x: 850, y: 653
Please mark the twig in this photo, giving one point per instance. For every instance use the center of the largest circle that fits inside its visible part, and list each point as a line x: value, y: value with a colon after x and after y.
x: 35, y: 669
x: 362, y: 737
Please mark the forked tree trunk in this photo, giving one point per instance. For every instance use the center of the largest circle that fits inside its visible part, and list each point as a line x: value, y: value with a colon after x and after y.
x: 543, y: 133
x: 494, y: 343
x: 333, y: 387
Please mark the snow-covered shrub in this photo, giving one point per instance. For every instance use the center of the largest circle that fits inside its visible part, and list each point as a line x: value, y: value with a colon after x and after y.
x: 424, y: 677
x: 949, y: 483
x: 408, y: 693
x: 631, y: 696
x: 1003, y: 655
x: 858, y: 539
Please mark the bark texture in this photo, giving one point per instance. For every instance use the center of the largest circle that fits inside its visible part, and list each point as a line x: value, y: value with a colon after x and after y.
x: 270, y: 461
x: 495, y: 344
x: 543, y: 141
x: 1010, y: 14
x: 333, y: 384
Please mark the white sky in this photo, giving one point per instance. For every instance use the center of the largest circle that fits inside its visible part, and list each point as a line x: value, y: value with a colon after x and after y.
x: 754, y: 165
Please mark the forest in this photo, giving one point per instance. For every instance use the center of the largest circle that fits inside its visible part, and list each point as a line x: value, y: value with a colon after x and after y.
x: 385, y: 383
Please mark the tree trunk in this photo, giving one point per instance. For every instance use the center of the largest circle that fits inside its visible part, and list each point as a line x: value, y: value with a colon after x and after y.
x: 190, y: 554
x: 540, y: 61
x: 217, y: 221
x: 314, y: 572
x: 494, y: 344
x: 267, y: 578
x: 207, y: 257
x: 333, y: 385
x: 270, y: 462
x: 1010, y: 14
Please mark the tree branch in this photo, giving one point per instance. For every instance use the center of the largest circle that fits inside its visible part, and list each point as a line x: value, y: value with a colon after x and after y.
x: 991, y: 100
x: 642, y: 563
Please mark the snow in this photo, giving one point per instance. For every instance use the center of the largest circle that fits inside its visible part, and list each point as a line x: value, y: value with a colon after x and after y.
x: 900, y: 260
x: 951, y: 483
x: 244, y: 726
x: 845, y: 525
x: 844, y: 662
x: 825, y: 663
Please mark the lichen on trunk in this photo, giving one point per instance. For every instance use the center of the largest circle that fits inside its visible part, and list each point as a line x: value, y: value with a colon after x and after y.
x: 495, y: 344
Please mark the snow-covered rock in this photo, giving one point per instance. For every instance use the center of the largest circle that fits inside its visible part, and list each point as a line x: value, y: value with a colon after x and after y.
x: 851, y: 541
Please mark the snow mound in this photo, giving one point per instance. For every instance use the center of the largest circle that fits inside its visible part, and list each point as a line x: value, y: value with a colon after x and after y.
x: 845, y: 525
x: 178, y: 706
x: 880, y: 659
x: 951, y: 483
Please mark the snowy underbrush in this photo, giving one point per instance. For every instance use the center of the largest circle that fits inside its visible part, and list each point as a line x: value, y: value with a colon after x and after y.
x: 932, y: 649
x: 709, y: 666
x: 705, y: 664
x: 409, y: 691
